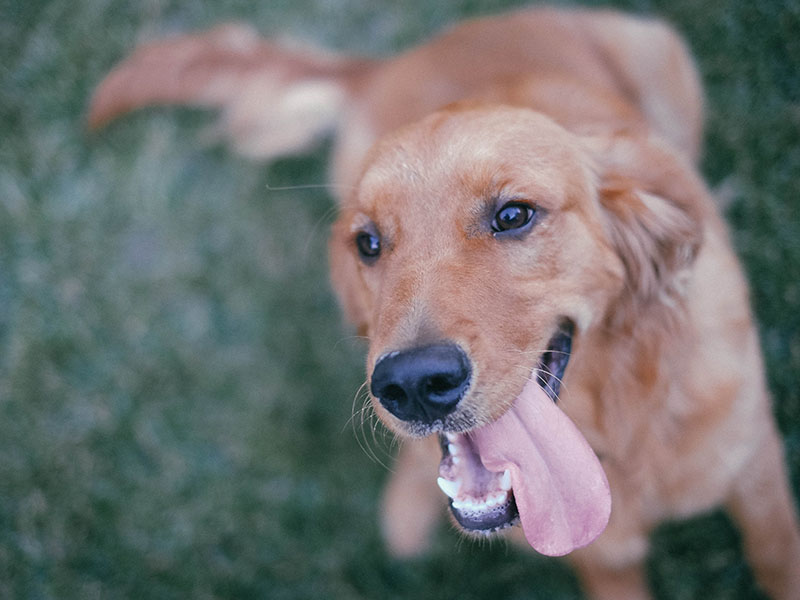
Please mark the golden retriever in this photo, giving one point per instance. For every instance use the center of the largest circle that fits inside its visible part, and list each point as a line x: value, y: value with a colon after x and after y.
x: 549, y: 293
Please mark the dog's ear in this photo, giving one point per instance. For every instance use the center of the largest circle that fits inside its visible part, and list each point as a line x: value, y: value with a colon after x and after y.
x: 653, y: 208
x: 275, y: 100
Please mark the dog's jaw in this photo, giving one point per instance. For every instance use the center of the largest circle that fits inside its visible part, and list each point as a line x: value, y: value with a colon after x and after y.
x: 531, y: 466
x: 481, y: 501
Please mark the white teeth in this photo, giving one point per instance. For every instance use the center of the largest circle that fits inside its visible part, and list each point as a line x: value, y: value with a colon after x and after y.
x: 452, y: 449
x: 505, y: 480
x: 471, y: 504
x: 464, y: 505
x: 495, y: 499
x: 449, y: 487
x: 451, y: 437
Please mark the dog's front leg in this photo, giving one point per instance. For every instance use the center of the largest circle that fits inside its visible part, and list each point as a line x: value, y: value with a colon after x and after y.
x: 762, y: 505
x: 412, y: 502
x: 602, y: 582
x: 613, y: 566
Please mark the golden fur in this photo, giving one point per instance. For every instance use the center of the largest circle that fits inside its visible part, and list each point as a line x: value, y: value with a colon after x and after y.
x: 595, y: 119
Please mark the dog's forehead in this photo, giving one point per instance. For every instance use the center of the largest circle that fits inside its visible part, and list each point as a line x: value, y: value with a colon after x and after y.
x: 472, y: 154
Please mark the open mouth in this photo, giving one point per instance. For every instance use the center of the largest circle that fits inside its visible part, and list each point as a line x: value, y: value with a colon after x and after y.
x: 482, y: 501
x: 531, y: 466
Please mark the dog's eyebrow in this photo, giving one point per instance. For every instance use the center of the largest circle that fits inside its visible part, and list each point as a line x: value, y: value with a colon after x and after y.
x: 361, y: 221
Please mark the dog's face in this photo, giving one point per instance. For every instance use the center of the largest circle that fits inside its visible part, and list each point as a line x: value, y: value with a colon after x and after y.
x: 482, y: 243
x: 475, y: 243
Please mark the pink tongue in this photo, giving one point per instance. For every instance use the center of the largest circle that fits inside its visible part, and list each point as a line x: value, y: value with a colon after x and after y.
x: 560, y: 488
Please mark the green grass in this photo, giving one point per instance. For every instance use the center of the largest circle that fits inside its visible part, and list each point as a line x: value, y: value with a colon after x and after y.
x: 176, y: 386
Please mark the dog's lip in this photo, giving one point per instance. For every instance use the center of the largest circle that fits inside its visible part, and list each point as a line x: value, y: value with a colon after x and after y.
x: 483, y: 502
x: 553, y: 362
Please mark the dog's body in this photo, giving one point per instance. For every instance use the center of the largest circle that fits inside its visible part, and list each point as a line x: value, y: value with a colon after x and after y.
x: 555, y: 205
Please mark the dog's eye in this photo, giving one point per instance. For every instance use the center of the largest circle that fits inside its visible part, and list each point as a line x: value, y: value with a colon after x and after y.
x: 369, y: 245
x: 513, y: 216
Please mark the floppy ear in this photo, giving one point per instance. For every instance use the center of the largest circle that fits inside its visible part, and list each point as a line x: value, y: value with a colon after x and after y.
x: 653, y: 207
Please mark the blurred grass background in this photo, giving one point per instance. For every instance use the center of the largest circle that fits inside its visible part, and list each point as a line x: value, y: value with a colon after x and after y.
x: 176, y: 386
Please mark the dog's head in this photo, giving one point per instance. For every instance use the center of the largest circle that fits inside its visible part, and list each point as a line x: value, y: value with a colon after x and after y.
x: 479, y: 247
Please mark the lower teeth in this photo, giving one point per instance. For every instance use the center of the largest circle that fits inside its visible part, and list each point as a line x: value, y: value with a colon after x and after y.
x: 479, y: 506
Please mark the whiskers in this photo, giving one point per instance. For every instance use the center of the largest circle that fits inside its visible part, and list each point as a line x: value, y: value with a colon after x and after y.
x: 334, y: 189
x: 540, y: 373
x: 377, y: 442
x: 350, y: 339
x: 483, y: 540
x: 309, y: 186
x: 546, y: 376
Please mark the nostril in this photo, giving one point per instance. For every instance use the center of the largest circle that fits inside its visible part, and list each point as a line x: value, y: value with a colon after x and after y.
x: 441, y: 384
x: 393, y: 393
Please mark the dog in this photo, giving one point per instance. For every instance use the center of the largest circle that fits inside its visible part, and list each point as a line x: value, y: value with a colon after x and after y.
x: 557, y: 323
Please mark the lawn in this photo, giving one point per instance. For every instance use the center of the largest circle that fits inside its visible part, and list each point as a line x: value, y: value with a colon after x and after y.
x: 176, y: 384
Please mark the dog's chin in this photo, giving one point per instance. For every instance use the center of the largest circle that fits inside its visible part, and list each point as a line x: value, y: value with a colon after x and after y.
x: 481, y: 501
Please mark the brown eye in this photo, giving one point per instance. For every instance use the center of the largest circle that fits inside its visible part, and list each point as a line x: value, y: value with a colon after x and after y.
x: 369, y: 246
x: 513, y: 216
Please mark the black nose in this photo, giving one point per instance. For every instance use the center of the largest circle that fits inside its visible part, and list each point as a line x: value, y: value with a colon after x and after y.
x: 421, y: 384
